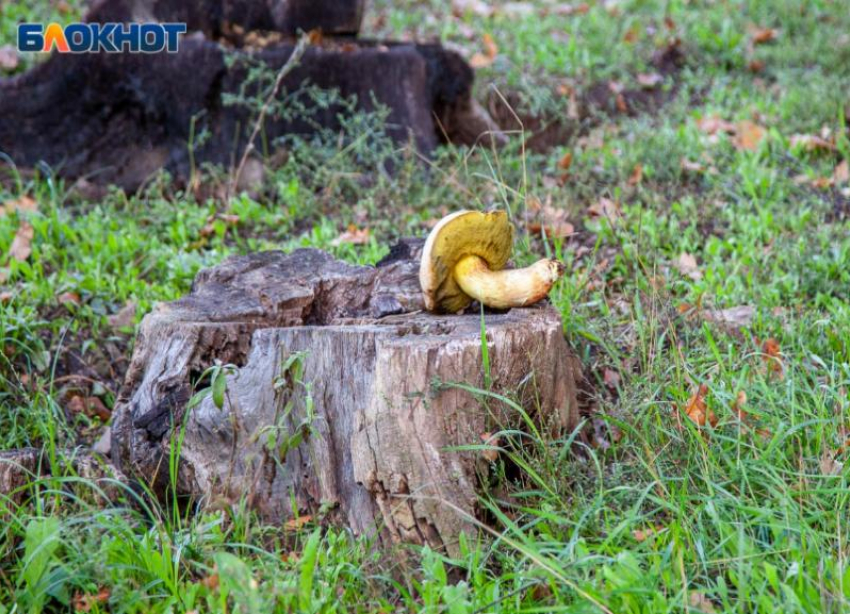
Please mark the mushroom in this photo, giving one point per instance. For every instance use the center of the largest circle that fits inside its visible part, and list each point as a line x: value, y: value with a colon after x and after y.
x: 463, y: 260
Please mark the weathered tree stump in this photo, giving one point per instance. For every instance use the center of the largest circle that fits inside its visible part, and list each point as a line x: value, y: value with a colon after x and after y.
x: 377, y: 448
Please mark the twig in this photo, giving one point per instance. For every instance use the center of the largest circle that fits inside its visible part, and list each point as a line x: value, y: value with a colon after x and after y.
x: 290, y: 64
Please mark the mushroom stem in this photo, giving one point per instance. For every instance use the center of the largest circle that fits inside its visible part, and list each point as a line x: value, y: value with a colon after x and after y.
x: 507, y: 288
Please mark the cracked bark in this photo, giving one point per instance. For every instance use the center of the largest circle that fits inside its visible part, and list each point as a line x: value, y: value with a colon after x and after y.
x: 382, y: 450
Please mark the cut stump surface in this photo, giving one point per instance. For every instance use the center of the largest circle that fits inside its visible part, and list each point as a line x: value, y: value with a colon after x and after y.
x: 372, y: 433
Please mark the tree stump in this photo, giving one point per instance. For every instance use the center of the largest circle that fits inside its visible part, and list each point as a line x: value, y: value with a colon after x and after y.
x: 375, y: 443
x: 118, y: 118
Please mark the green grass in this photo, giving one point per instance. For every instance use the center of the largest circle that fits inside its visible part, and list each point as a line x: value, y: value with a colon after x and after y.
x: 651, y: 514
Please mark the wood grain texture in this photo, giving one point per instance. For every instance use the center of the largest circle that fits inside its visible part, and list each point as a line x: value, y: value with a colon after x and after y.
x: 381, y: 453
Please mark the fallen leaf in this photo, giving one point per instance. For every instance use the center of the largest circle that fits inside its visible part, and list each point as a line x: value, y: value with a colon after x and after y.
x: 22, y: 243
x: 841, y: 174
x: 566, y: 161
x: 84, y: 603
x: 517, y: 9
x: 475, y: 7
x: 295, y: 524
x: 772, y: 354
x: 748, y: 136
x: 631, y: 36
x: 491, y: 50
x: 829, y: 465
x: 551, y: 220
x: 605, y: 208
x: 8, y: 58
x: 811, y: 142
x: 555, y: 231
x: 491, y: 454
x: 572, y: 107
x: 713, y: 124
x: 733, y: 317
x: 92, y: 407
x: 611, y: 378
x: 691, y: 167
x: 763, y: 35
x: 637, y: 175
x: 755, y: 66
x: 211, y: 581
x: 6, y: 297
x: 125, y: 317
x: 570, y: 9
x: 354, y: 235
x: 641, y: 535
x: 209, y: 228
x: 687, y: 265
x: 700, y: 602
x: 738, y: 406
x: 697, y: 409
x: 24, y: 203
x: 649, y: 80
x: 67, y: 298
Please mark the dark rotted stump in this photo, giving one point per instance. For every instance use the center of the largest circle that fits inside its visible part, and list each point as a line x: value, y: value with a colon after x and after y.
x: 379, y: 445
x: 118, y: 118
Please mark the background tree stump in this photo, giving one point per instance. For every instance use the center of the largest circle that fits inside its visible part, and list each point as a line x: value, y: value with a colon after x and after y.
x: 118, y: 118
x: 380, y: 450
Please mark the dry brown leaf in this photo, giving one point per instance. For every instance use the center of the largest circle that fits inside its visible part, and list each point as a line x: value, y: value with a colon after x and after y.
x: 491, y: 454
x: 92, y: 407
x: 748, y: 136
x: 22, y: 243
x: 697, y: 409
x: 296, y: 524
x: 211, y: 581
x: 570, y: 9
x: 772, y: 354
x: 125, y: 317
x: 691, y: 167
x: 641, y: 535
x: 631, y: 35
x: 24, y: 203
x: 9, y: 58
x: 553, y: 231
x: 550, y: 220
x: 637, y: 175
x: 476, y: 7
x: 611, y: 378
x: 811, y: 142
x: 485, y: 58
x: 738, y: 406
x: 649, y: 80
x: 67, y: 298
x: 755, y: 66
x: 763, y: 35
x: 713, y: 124
x: 700, y: 602
x: 841, y: 174
x: 354, y: 235
x: 687, y: 265
x: 566, y: 161
x: 732, y: 317
x: 84, y: 603
x: 829, y: 465
x: 605, y: 208
x: 6, y: 297
x: 517, y: 9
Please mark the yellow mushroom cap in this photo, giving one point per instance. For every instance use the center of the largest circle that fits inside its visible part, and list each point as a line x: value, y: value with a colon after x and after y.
x: 465, y: 233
